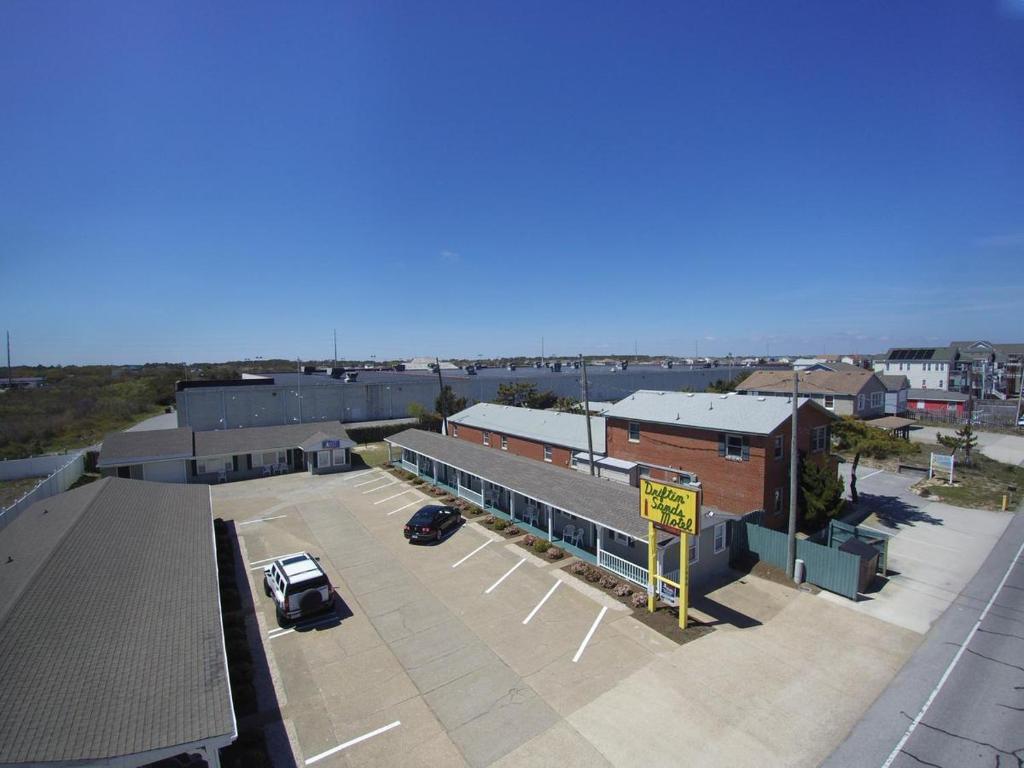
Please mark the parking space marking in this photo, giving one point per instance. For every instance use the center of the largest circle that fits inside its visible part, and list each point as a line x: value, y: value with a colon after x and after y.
x: 268, y: 559
x: 380, y: 487
x: 406, y: 506
x: 456, y: 565
x: 871, y: 475
x: 556, y: 585
x: 347, y: 744
x: 507, y: 574
x: 280, y: 631
x: 389, y: 498
x: 358, y: 475
x: 590, y: 634
x: 261, y: 519
x: 367, y: 482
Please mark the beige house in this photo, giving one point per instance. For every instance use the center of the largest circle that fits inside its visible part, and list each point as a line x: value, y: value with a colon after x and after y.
x: 846, y: 392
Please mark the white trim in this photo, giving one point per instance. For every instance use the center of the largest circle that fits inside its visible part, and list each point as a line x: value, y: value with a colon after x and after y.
x: 406, y: 506
x: 380, y: 487
x: 261, y: 519
x: 220, y: 612
x: 724, y: 528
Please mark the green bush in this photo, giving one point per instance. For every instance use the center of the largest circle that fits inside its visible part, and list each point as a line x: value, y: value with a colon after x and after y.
x: 500, y: 525
x: 540, y: 546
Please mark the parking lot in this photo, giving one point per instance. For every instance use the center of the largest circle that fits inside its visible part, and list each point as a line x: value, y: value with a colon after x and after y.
x: 468, y: 652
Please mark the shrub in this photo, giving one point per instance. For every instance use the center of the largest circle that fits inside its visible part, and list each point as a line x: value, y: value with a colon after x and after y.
x: 579, y: 568
x: 489, y: 520
x: 529, y: 540
x: 623, y: 590
x: 592, y: 575
x: 500, y: 525
x: 512, y: 531
x: 555, y: 553
x: 638, y: 600
x: 540, y: 546
x: 609, y: 582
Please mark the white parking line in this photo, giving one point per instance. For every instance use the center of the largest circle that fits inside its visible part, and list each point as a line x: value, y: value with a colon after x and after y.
x: 507, y: 574
x: 876, y: 472
x: 456, y: 565
x: 262, y: 519
x: 590, y: 634
x: 367, y: 482
x: 556, y: 585
x: 364, y: 737
x: 389, y: 498
x: 357, y: 475
x: 380, y: 487
x: 280, y: 631
x: 406, y: 506
x: 267, y: 559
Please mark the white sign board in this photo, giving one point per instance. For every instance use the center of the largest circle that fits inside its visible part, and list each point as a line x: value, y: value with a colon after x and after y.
x: 942, y: 463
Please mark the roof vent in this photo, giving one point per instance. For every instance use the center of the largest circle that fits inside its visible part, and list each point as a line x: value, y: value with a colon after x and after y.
x: 711, y: 406
x: 677, y: 416
x: 689, y: 394
x: 722, y: 397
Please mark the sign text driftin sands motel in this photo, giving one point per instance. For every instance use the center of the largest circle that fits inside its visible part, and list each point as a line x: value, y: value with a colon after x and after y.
x: 670, y: 506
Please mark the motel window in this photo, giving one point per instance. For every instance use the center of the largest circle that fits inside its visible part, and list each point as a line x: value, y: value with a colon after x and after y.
x: 269, y: 458
x: 547, y: 453
x: 819, y: 439
x: 779, y: 449
x: 720, y: 537
x: 504, y: 442
x: 487, y: 438
x: 215, y: 464
x: 339, y: 456
x: 455, y: 430
x: 634, y: 432
x: 734, y: 447
x: 830, y: 402
x: 924, y: 383
x: 777, y: 501
x: 694, y: 552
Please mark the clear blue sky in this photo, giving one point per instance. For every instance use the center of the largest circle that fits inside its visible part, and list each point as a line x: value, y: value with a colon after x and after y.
x: 205, y: 181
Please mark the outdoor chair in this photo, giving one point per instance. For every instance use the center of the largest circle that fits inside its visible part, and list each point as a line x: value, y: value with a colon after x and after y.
x: 267, y: 470
x: 568, y: 532
x: 222, y: 477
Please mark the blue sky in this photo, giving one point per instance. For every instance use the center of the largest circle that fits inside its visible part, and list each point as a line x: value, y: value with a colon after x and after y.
x: 206, y: 181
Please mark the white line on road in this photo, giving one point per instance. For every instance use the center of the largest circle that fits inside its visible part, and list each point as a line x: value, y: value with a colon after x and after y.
x: 364, y: 737
x: 876, y: 472
x: 556, y: 585
x: 380, y: 487
x: 358, y: 475
x: 945, y: 675
x: 262, y: 519
x: 266, y: 560
x: 507, y: 574
x: 309, y: 625
x: 367, y: 482
x: 410, y: 504
x: 389, y: 498
x: 456, y: 565
x: 590, y: 634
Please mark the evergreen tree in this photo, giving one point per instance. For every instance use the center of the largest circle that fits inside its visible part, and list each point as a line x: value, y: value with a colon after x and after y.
x: 820, y: 494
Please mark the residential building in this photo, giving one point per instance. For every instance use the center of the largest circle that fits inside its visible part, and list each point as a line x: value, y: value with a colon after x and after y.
x: 735, y: 447
x: 926, y: 367
x: 988, y: 370
x: 896, y: 388
x: 937, y: 402
x: 594, y: 520
x: 848, y: 391
x: 111, y: 639
x: 184, y: 456
x: 550, y: 436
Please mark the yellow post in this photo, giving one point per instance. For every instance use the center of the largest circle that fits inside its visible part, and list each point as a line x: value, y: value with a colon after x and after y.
x: 652, y: 564
x: 1005, y: 502
x: 684, y: 578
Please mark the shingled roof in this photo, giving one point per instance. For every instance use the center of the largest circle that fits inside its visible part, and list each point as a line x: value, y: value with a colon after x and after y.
x: 146, y: 445
x: 111, y: 641
x: 846, y: 382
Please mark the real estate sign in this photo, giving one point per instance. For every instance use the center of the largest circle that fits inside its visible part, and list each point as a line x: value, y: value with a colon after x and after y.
x: 670, y: 505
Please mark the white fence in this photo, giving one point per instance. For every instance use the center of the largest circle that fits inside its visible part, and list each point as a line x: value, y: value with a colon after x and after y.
x: 627, y: 570
x: 36, y: 466
x: 68, y: 469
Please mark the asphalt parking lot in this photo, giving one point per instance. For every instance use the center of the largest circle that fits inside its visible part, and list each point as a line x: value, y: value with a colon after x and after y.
x: 470, y: 652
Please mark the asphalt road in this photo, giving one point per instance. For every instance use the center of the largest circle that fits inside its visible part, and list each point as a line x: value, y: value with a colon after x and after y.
x: 959, y: 701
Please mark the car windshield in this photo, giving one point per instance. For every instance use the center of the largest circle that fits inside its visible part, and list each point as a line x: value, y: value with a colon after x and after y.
x: 425, y: 515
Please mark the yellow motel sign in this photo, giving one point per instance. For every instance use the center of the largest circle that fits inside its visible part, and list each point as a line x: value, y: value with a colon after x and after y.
x: 670, y: 506
x: 677, y: 509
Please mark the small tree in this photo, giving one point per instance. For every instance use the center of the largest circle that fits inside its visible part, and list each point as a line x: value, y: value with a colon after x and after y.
x: 721, y: 386
x: 447, y: 403
x: 964, y: 440
x: 854, y: 435
x: 567, y: 404
x: 516, y: 393
x: 820, y: 494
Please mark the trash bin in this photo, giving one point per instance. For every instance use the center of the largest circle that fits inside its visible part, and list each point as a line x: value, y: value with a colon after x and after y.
x: 799, y: 571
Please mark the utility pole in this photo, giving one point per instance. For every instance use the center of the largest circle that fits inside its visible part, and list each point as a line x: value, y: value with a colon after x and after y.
x: 298, y: 369
x: 541, y: 351
x: 586, y: 410
x: 10, y: 374
x: 440, y: 398
x: 335, y: 347
x: 793, y: 468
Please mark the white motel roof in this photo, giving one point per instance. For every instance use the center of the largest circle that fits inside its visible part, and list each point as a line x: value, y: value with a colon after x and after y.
x: 749, y: 414
x: 553, y: 427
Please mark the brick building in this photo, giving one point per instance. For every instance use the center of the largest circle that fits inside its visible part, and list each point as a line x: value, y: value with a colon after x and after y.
x: 736, y: 446
x: 549, y: 436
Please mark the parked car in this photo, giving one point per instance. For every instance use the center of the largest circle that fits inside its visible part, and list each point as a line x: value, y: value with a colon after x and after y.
x: 298, y: 586
x: 432, y: 522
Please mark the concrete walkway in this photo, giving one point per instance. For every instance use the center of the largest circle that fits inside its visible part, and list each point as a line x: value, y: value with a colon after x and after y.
x: 163, y: 421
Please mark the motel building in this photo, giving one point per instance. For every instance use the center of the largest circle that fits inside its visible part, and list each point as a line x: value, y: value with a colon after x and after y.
x: 590, y: 518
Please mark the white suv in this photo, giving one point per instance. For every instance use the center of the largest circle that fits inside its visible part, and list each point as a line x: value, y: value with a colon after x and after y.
x: 298, y: 586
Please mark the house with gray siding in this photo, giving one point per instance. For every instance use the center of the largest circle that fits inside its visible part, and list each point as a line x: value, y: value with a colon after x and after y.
x: 849, y: 391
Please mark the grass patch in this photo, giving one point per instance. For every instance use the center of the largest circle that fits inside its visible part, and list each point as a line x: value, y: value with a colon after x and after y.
x: 979, y: 486
x: 372, y: 454
x: 12, y: 490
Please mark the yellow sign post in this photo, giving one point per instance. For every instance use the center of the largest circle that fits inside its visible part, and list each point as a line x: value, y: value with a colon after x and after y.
x: 676, y: 509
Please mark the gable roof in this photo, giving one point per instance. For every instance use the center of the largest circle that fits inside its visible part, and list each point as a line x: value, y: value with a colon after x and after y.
x: 894, y: 383
x: 146, y: 445
x: 937, y: 395
x: 554, y: 427
x: 110, y: 626
x: 845, y: 382
x: 728, y: 413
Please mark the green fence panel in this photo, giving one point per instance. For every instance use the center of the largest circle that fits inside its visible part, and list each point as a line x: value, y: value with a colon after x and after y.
x: 829, y: 568
x: 839, y: 533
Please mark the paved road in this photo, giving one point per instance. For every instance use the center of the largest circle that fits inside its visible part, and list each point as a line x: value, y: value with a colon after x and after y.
x: 1006, y: 448
x: 960, y: 700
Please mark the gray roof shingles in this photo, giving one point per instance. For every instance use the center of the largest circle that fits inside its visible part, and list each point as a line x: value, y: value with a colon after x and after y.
x: 113, y: 642
x: 221, y: 442
x: 611, y: 504
x: 153, y: 444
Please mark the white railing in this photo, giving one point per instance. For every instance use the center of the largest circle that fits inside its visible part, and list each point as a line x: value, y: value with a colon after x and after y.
x: 408, y: 466
x: 58, y: 482
x: 476, y: 498
x: 627, y: 570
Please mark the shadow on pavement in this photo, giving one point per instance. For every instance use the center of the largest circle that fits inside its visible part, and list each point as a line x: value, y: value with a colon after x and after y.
x: 893, y: 512
x: 723, y: 614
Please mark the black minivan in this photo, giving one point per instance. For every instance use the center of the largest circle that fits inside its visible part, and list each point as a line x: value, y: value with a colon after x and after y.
x: 432, y: 522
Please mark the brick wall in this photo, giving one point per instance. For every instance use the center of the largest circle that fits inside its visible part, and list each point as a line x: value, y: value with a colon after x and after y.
x: 531, y: 449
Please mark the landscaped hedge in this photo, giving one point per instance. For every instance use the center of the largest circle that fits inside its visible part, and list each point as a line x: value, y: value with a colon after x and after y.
x: 363, y: 435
